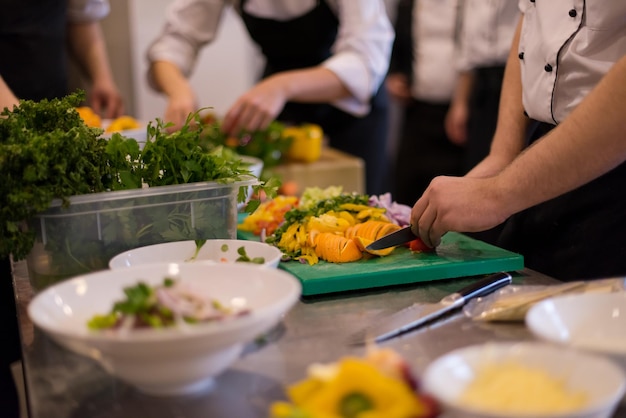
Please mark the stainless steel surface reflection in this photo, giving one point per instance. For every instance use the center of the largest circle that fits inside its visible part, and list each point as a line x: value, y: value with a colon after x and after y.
x: 64, y: 385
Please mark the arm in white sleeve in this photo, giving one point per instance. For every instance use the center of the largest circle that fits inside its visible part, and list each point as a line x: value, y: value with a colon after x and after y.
x: 189, y: 26
x: 362, y: 51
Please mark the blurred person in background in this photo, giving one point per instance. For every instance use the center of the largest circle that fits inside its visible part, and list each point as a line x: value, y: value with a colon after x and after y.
x: 557, y: 163
x: 325, y: 64
x: 36, y: 39
x: 484, y: 42
x: 421, y: 78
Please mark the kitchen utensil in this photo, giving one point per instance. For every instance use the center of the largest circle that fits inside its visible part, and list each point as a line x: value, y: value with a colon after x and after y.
x: 421, y: 313
x: 399, y: 237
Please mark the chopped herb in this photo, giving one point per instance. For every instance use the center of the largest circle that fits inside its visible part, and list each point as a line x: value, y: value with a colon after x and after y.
x: 243, y: 257
x: 199, y: 244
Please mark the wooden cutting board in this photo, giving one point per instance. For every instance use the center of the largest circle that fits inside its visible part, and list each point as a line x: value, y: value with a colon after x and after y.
x: 457, y: 256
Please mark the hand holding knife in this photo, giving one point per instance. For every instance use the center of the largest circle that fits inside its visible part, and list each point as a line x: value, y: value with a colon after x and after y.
x: 399, y: 237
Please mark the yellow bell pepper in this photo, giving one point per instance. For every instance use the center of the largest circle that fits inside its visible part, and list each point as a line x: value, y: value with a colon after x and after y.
x: 307, y: 142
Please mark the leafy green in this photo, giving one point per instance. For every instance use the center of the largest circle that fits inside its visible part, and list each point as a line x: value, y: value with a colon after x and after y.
x: 199, y: 244
x: 47, y: 152
x: 141, y: 302
x: 268, y: 144
x: 243, y: 257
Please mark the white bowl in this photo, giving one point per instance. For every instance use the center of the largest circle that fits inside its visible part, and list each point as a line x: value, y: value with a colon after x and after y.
x: 448, y: 376
x: 215, y: 250
x: 591, y: 321
x: 168, y: 361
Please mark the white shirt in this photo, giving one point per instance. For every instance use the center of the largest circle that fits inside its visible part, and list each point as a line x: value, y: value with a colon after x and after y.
x: 567, y: 46
x: 434, y: 73
x: 360, y: 54
x: 81, y: 11
x: 487, y: 30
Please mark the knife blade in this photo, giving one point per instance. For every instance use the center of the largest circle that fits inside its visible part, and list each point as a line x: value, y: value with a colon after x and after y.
x: 418, y: 314
x: 399, y: 237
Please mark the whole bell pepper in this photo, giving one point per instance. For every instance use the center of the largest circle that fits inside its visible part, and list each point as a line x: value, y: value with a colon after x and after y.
x: 307, y: 142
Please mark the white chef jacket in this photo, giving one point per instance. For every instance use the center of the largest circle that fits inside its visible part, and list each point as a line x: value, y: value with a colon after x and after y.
x: 566, y: 47
x: 487, y: 30
x: 361, y: 52
x: 81, y: 11
x: 433, y: 31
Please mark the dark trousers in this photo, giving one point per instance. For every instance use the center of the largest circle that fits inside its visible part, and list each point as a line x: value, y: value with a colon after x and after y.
x: 10, y: 338
x: 424, y: 151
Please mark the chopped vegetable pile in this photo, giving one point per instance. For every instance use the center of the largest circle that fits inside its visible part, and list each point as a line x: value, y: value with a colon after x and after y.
x: 166, y: 305
x: 327, y: 224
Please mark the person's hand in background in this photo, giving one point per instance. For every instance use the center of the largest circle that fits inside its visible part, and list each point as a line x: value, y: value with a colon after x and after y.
x: 258, y: 107
x: 181, y: 99
x: 458, y: 113
x: 105, y: 99
x: 179, y: 106
x: 456, y: 123
x: 397, y: 85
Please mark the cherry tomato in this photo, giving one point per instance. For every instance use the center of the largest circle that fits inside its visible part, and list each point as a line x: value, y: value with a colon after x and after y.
x: 418, y: 246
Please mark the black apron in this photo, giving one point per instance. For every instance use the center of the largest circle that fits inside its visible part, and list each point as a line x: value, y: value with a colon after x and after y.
x: 33, y: 64
x: 306, y: 41
x: 33, y: 48
x: 579, y: 235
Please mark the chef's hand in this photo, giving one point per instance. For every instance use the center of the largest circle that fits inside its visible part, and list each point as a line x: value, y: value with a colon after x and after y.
x: 459, y: 204
x: 397, y: 84
x: 105, y: 99
x: 179, y: 107
x: 258, y: 107
x: 456, y: 123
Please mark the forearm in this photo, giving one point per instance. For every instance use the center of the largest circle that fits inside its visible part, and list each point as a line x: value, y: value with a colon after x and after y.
x: 168, y: 79
x: 7, y: 98
x: 587, y: 144
x: 87, y: 46
x: 311, y: 85
x: 509, y: 137
x: 463, y: 89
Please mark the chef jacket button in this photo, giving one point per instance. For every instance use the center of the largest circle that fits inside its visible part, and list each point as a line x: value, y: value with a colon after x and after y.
x: 521, y: 55
x: 572, y: 13
x: 548, y: 68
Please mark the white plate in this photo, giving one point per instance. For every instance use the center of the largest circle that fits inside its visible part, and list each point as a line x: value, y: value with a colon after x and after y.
x: 215, y: 250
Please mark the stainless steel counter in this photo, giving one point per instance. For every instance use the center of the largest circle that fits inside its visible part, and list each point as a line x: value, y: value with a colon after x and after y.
x: 60, y: 384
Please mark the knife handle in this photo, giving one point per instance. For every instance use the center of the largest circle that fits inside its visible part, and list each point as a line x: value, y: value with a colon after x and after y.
x: 486, y: 285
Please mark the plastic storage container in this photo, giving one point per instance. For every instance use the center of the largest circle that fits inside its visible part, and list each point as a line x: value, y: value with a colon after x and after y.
x: 84, y: 236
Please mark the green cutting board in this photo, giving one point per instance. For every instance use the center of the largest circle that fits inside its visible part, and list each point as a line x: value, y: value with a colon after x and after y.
x: 457, y: 256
